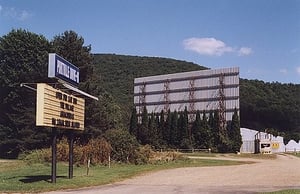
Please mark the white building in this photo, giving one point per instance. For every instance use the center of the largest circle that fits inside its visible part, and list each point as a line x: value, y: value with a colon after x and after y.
x: 260, y: 142
x: 292, y: 146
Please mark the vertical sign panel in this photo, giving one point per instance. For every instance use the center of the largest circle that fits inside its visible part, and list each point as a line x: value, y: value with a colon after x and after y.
x: 62, y: 69
x: 58, y: 109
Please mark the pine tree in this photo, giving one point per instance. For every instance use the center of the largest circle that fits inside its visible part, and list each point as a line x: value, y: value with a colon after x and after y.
x: 220, y: 137
x: 23, y: 59
x: 167, y: 128
x: 186, y: 142
x: 214, y: 122
x: 206, y: 131
x: 161, y: 128
x: 133, y: 126
x: 174, y: 133
x: 153, y: 131
x: 71, y: 46
x: 196, y: 129
x: 143, y: 129
x: 235, y: 133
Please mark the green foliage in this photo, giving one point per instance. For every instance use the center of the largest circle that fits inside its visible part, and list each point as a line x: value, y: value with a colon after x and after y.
x: 262, y: 105
x: 117, y: 72
x: 201, y: 132
x: 97, y: 150
x: 23, y: 58
x: 124, y: 145
x: 133, y: 125
x: 143, y: 131
x: 71, y: 47
x: 270, y: 105
x: 175, y: 130
x: 234, y: 132
x: 153, y: 131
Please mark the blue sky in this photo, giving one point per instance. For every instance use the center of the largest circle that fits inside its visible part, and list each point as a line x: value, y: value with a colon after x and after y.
x: 262, y: 37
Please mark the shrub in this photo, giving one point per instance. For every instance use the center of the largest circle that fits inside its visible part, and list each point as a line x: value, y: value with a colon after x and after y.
x: 124, y: 145
x: 37, y: 156
x: 97, y: 150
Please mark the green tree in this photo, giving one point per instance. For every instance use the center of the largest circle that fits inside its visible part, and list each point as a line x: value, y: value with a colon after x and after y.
x: 235, y: 133
x: 143, y: 132
x: 186, y: 141
x: 99, y: 116
x: 153, y: 131
x: 71, y: 46
x: 214, y: 123
x: 124, y: 145
x: 161, y: 128
x: 167, y: 128
x: 196, y: 129
x: 23, y: 59
x: 220, y: 137
x: 133, y: 126
x: 201, y: 131
x: 206, y: 130
x: 174, y: 131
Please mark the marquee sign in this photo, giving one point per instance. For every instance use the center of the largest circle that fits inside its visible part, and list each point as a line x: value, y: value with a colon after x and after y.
x: 60, y: 68
x: 58, y: 109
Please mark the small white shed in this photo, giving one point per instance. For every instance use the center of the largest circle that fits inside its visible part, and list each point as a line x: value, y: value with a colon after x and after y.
x: 254, y: 139
x: 292, y: 146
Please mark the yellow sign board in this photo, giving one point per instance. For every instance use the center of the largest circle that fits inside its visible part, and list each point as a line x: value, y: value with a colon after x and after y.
x: 275, y: 145
x: 58, y: 109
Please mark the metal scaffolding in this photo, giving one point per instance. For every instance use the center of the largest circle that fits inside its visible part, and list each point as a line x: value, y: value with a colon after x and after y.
x: 142, y: 97
x: 222, y: 105
x: 166, y: 95
x: 191, y: 108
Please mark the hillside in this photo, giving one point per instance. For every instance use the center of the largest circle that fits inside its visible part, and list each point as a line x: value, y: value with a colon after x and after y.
x: 117, y: 73
x: 263, y: 105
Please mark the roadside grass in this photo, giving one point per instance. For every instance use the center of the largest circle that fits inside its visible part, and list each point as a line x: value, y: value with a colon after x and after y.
x: 18, y: 176
x: 290, y: 191
x: 255, y: 156
x: 297, y: 154
x: 200, y: 154
x: 232, y: 155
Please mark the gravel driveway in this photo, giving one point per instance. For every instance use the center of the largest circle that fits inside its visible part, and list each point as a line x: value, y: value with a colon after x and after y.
x: 264, y: 175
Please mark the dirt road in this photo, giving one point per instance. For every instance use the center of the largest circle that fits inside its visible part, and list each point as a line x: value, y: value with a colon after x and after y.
x: 264, y: 175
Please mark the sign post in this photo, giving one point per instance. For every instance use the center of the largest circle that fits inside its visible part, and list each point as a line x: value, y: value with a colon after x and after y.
x: 71, y: 142
x: 54, y: 150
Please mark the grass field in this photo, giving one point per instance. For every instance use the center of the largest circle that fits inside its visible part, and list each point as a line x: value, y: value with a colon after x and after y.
x: 17, y: 176
x: 292, y: 191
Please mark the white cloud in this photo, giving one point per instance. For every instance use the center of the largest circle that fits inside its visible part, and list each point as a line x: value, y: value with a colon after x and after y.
x: 298, y: 70
x: 24, y: 15
x: 13, y: 13
x: 212, y: 47
x: 206, y: 46
x: 283, y: 71
x: 245, y: 51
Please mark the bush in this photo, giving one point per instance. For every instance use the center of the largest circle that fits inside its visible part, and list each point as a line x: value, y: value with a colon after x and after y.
x: 124, y: 145
x: 97, y: 150
x: 143, y: 154
x: 37, y: 156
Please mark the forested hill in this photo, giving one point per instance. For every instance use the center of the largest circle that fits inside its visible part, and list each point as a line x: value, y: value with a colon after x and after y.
x: 263, y: 105
x: 117, y: 73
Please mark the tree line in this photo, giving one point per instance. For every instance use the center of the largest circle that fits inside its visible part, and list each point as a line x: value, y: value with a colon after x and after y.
x: 174, y: 130
x: 262, y: 105
x: 24, y: 59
